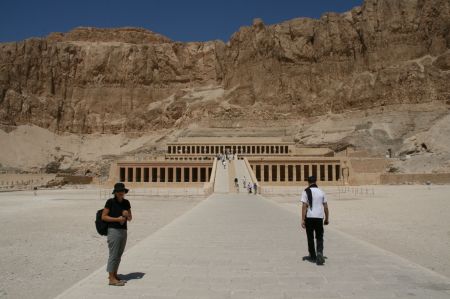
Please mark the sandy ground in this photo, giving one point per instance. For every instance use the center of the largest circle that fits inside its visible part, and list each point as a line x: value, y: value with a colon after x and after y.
x: 49, y: 242
x: 70, y: 150
x: 410, y: 221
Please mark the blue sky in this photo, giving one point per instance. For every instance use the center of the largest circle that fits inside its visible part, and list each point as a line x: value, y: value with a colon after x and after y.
x: 190, y: 20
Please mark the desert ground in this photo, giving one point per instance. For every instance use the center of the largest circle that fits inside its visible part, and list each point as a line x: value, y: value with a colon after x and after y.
x: 412, y: 221
x: 49, y: 242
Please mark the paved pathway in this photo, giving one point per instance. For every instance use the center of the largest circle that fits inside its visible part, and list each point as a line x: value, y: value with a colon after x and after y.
x: 242, y: 172
x: 245, y: 246
x: 221, y: 183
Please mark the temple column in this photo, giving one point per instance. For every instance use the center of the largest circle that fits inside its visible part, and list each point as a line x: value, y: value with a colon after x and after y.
x: 319, y: 173
x: 270, y: 172
x: 166, y: 174
x: 182, y: 174
x: 294, y: 173
x: 262, y: 173
x: 286, y: 173
x: 333, y: 171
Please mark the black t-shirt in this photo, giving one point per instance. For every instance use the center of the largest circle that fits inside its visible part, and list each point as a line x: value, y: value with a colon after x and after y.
x: 115, y: 210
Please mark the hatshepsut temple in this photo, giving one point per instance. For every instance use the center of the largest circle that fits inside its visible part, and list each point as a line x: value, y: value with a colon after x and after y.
x: 266, y: 161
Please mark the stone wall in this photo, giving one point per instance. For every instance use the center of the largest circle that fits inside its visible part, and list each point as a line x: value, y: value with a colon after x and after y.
x: 369, y: 165
x: 12, y: 181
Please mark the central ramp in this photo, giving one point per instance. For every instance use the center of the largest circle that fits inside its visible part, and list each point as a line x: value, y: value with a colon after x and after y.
x: 221, y: 183
x: 242, y: 173
x: 245, y: 246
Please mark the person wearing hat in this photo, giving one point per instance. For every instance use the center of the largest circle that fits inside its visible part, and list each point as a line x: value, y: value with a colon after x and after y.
x: 117, y: 212
x: 314, y: 206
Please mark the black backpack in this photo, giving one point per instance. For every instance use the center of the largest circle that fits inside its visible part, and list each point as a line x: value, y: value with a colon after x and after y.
x: 100, y: 225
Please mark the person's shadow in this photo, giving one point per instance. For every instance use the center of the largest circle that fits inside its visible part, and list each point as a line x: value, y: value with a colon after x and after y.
x: 131, y: 276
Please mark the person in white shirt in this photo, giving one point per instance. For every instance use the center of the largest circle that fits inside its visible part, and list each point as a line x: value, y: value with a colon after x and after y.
x: 314, y: 208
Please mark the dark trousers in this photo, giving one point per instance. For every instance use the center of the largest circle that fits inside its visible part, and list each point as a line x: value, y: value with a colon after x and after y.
x: 314, y: 226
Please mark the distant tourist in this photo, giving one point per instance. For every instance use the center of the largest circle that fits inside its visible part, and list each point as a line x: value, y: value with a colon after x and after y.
x: 255, y: 187
x: 236, y: 182
x: 244, y: 182
x: 249, y: 187
x: 314, y: 206
x: 117, y: 212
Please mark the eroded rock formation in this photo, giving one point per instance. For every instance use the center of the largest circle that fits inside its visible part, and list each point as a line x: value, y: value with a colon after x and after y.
x: 115, y: 80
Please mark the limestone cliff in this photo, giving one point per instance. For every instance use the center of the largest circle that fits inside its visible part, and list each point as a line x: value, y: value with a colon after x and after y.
x: 126, y: 80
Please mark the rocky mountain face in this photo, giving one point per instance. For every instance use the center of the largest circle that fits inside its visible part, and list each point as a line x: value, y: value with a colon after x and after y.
x: 376, y: 78
x: 133, y: 80
x: 386, y: 52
